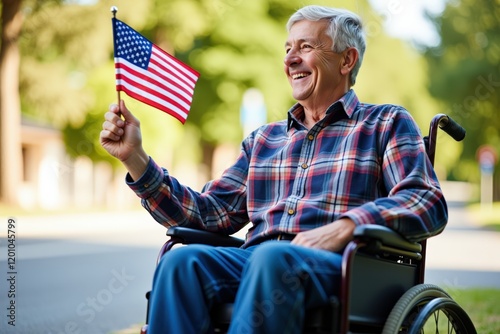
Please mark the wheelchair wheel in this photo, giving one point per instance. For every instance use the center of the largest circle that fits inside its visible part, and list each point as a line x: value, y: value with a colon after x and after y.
x: 427, y: 308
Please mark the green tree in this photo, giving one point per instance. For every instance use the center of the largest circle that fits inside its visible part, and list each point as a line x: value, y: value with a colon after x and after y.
x: 62, y: 47
x: 10, y: 111
x: 67, y: 62
x: 12, y: 19
x: 240, y: 46
x: 464, y: 75
x: 67, y: 74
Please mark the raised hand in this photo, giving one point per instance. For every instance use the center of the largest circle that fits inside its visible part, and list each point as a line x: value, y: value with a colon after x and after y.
x: 121, y: 137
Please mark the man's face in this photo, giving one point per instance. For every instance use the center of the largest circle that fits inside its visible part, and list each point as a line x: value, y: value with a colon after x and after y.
x: 312, y: 68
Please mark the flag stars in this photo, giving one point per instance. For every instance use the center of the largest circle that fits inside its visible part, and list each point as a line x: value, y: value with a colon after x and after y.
x: 132, y: 46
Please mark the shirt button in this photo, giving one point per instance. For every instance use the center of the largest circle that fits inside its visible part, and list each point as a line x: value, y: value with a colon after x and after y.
x: 304, y: 165
x: 310, y: 137
x: 146, y: 185
x: 291, y: 211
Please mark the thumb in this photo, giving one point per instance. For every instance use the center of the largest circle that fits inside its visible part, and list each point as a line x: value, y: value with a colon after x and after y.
x: 127, y: 114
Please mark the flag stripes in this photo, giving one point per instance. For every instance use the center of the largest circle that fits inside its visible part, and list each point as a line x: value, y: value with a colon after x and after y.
x: 149, y: 74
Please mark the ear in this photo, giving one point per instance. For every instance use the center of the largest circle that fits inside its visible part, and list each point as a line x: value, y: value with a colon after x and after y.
x: 349, y: 59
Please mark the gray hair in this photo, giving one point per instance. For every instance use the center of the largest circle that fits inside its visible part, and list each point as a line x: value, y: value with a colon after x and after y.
x: 345, y: 30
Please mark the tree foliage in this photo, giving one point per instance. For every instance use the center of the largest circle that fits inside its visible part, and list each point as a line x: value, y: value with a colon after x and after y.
x: 464, y: 74
x: 67, y: 77
x: 62, y: 45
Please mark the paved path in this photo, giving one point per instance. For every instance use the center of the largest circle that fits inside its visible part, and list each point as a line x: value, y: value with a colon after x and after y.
x: 462, y: 246
x: 464, y: 255
x: 70, y: 247
x: 78, y: 273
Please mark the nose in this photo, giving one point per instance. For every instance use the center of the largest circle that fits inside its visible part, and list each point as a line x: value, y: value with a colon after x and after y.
x: 292, y: 58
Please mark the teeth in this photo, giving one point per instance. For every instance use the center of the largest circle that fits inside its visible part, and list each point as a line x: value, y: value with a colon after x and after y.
x: 299, y: 75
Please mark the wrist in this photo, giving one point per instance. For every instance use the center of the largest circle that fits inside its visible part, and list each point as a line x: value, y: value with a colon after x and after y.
x: 136, y: 164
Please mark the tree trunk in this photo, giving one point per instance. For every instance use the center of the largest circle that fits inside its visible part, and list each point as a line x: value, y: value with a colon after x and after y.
x: 10, y: 107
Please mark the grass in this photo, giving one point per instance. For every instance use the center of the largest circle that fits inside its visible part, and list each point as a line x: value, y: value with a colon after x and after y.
x: 481, y: 305
x: 488, y: 217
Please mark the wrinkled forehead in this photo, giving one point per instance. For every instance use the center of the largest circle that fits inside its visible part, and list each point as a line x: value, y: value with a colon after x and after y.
x: 308, y: 31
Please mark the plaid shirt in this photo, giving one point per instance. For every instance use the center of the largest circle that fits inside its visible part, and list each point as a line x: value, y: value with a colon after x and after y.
x: 365, y: 162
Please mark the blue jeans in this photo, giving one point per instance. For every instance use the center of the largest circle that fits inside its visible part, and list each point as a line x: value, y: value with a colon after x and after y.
x: 271, y: 284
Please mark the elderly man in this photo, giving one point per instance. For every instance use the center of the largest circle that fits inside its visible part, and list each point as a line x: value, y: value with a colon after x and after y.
x: 303, y: 184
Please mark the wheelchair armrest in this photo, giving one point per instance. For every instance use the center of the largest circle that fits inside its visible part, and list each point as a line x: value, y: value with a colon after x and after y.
x: 382, y: 234
x: 187, y: 235
x: 387, y: 237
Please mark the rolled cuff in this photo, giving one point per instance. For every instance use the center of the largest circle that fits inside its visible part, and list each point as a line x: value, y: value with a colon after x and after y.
x: 149, y: 182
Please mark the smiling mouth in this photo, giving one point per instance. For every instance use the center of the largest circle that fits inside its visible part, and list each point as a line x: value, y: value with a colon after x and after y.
x: 298, y: 76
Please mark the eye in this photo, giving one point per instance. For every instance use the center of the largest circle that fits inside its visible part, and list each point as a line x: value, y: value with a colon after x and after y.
x: 287, y: 49
x: 306, y: 46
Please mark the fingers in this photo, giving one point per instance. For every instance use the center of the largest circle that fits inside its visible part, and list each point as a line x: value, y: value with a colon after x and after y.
x: 113, y: 107
x: 111, y: 132
x: 116, y: 119
x: 119, y: 111
x: 113, y: 126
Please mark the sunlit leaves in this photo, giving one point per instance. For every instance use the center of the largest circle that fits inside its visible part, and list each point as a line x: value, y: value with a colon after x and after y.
x: 68, y: 75
x: 464, y: 73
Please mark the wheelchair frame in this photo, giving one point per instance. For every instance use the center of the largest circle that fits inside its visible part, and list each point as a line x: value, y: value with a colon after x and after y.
x: 404, y: 302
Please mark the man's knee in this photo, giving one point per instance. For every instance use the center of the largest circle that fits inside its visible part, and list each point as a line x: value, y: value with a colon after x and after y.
x: 182, y: 258
x: 288, y: 264
x: 272, y: 256
x: 271, y: 249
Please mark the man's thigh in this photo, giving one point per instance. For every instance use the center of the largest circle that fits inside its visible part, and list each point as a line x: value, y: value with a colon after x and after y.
x: 293, y: 268
x: 215, y: 270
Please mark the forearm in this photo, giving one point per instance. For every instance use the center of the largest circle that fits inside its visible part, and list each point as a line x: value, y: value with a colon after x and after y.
x: 414, y: 204
x: 136, y: 164
x: 161, y: 195
x: 172, y: 203
x: 415, y: 208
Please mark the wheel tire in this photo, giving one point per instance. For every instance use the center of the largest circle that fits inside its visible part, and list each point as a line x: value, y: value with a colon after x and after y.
x: 418, y: 304
x: 456, y: 316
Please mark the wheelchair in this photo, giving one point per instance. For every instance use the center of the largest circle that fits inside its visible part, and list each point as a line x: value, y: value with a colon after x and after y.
x: 382, y: 285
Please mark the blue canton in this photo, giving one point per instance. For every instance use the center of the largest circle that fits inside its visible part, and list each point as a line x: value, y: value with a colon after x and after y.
x: 131, y: 46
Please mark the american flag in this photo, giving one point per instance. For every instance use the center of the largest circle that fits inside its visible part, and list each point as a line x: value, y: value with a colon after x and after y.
x: 147, y: 73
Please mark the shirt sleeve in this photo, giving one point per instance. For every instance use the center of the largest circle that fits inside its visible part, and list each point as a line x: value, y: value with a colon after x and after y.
x: 415, y: 206
x: 219, y: 207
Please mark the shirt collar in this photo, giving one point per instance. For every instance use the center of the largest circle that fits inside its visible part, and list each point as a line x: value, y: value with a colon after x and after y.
x: 343, y: 107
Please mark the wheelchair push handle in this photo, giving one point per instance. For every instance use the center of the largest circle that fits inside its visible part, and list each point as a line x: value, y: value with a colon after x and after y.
x: 448, y: 125
x: 451, y: 127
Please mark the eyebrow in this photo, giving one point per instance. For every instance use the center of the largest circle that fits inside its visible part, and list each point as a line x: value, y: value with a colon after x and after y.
x: 301, y: 40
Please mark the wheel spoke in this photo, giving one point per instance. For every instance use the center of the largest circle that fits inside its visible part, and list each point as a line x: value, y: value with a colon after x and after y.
x: 428, y: 309
x: 436, y: 321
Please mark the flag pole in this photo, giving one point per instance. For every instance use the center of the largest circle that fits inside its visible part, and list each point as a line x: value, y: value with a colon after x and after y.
x: 114, y: 10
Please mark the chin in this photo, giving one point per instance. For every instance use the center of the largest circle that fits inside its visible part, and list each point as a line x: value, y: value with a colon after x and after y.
x: 300, y: 97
